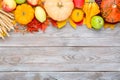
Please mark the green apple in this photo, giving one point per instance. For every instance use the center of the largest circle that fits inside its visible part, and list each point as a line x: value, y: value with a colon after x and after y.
x: 20, y: 1
x: 97, y: 22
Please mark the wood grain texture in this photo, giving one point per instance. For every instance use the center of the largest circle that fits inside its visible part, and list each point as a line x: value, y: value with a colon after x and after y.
x: 60, y: 59
x: 65, y: 37
x: 60, y: 76
x: 65, y: 54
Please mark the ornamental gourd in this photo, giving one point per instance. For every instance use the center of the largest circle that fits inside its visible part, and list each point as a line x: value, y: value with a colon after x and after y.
x: 110, y: 10
x: 24, y: 14
x: 59, y: 10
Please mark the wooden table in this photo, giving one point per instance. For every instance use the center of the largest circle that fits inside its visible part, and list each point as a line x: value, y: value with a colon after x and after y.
x: 65, y: 54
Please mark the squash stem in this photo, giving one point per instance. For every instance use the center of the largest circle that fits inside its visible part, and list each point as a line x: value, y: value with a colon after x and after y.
x: 91, y: 0
x: 59, y: 4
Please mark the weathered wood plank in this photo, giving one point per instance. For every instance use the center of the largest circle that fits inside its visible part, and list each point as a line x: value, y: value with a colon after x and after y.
x: 66, y: 37
x: 60, y: 59
x: 60, y: 76
x: 50, y: 41
x: 82, y: 31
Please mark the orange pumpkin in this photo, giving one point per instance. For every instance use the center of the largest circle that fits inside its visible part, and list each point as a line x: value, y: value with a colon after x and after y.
x: 24, y: 14
x: 59, y: 10
x: 110, y: 10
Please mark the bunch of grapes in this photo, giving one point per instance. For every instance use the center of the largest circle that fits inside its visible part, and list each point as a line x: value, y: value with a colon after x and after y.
x: 98, y: 2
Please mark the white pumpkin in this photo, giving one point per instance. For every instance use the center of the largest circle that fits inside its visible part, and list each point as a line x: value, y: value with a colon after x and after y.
x: 59, y: 10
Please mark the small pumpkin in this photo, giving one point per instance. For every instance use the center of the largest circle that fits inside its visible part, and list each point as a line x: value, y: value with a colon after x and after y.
x: 77, y: 15
x: 24, y: 14
x: 110, y: 10
x: 59, y: 10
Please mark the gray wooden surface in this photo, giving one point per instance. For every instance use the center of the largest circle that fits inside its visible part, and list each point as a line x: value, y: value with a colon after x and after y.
x: 65, y: 54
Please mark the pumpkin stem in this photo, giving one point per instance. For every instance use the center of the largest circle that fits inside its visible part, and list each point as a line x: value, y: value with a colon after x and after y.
x: 23, y: 13
x: 59, y: 4
x: 114, y: 5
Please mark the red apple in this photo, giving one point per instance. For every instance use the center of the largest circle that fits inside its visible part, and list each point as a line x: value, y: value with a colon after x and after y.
x: 79, y: 3
x: 8, y: 5
x: 33, y: 2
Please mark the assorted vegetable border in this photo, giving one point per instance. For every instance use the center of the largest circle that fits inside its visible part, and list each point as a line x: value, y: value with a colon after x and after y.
x: 36, y: 15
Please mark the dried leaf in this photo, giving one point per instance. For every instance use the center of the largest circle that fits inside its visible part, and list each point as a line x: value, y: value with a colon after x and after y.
x: 54, y: 23
x: 61, y: 24
x: 72, y: 23
x: 108, y: 25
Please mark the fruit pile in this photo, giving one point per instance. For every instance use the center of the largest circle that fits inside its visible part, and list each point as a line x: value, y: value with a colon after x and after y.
x: 36, y: 15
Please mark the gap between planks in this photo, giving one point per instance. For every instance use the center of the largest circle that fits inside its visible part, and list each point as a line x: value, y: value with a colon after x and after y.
x: 60, y: 76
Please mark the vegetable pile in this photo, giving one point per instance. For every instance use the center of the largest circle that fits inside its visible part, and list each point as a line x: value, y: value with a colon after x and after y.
x: 36, y: 15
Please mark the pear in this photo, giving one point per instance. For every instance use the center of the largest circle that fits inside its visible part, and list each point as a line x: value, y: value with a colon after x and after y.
x: 40, y: 14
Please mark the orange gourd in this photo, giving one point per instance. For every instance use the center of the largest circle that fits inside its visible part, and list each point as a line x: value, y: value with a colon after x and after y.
x: 24, y: 14
x: 110, y: 10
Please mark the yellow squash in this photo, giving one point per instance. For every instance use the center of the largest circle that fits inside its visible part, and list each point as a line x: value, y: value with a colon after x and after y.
x: 91, y: 9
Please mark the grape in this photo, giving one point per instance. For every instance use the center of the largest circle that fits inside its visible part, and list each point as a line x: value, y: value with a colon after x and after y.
x: 98, y: 2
